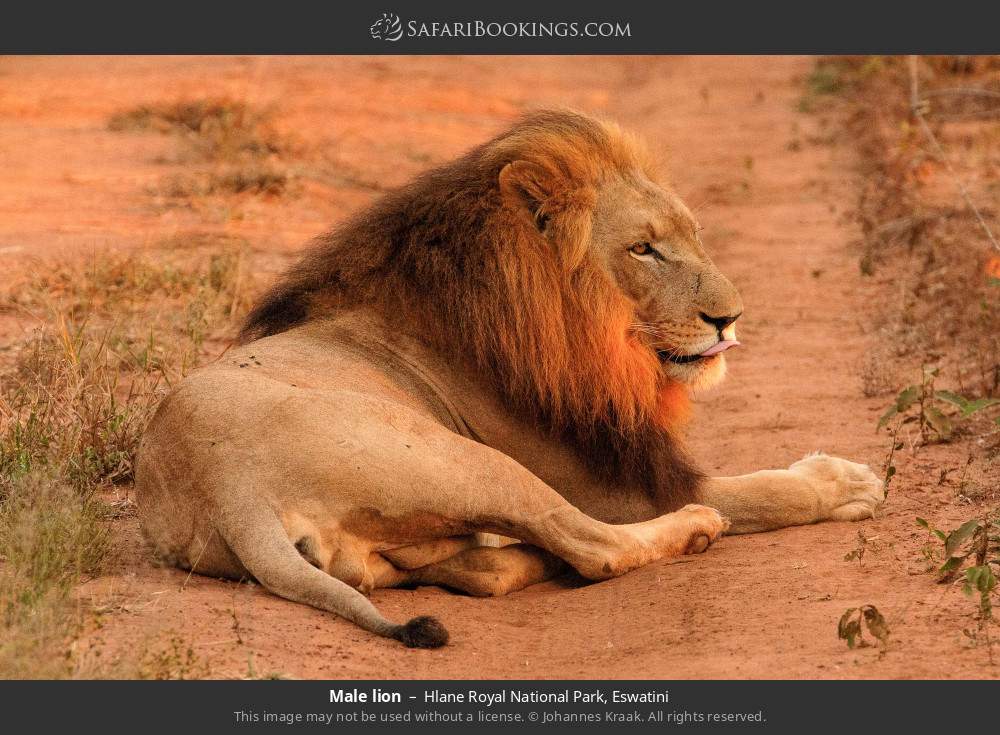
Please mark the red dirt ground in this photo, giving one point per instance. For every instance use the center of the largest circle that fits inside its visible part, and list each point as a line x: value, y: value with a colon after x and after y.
x: 772, y: 192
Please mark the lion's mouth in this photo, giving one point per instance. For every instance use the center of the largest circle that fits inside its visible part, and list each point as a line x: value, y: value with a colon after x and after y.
x: 719, y: 347
x: 669, y: 356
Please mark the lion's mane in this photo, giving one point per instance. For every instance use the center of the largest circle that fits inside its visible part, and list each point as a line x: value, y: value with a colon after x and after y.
x: 451, y: 257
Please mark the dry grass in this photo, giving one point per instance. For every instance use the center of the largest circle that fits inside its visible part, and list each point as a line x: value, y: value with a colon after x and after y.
x: 937, y: 304
x: 175, y: 660
x: 244, y: 152
x: 113, y: 334
x: 837, y: 76
x: 211, y: 129
x: 918, y: 236
x: 253, y: 179
x: 51, y: 537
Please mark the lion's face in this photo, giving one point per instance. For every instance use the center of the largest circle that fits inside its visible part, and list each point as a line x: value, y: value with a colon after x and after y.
x: 585, y: 189
x: 685, y: 308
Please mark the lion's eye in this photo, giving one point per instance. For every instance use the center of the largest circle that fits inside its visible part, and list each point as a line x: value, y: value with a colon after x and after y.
x: 641, y: 248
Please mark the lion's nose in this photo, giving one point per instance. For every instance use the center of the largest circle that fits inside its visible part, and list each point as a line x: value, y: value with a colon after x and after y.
x: 719, y: 322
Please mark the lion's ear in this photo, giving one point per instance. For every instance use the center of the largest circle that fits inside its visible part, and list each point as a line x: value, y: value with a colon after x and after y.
x: 527, y: 186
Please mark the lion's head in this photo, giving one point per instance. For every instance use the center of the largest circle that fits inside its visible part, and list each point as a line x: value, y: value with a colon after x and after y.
x: 610, y: 213
x: 551, y: 260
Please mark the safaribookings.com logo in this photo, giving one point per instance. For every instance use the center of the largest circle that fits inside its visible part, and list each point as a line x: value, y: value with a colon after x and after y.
x: 387, y: 28
x: 390, y: 28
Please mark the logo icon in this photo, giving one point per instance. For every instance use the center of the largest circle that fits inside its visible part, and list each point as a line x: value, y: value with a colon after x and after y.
x: 387, y: 28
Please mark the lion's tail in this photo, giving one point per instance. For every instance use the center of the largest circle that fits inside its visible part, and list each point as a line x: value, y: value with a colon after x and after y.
x: 259, y: 540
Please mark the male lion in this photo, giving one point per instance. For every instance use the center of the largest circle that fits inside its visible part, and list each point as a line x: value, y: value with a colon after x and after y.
x: 503, y: 347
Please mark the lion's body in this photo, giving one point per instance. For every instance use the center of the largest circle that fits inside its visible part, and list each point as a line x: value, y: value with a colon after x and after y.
x: 326, y: 446
x: 433, y: 371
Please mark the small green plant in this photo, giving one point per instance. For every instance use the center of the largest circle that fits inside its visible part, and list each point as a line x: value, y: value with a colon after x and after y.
x: 976, y: 541
x: 856, y: 619
x: 890, y: 468
x: 936, y: 412
x: 864, y: 544
x: 931, y: 555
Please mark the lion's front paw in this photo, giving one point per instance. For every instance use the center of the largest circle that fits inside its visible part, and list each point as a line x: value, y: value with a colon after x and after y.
x: 848, y: 491
x: 706, y: 525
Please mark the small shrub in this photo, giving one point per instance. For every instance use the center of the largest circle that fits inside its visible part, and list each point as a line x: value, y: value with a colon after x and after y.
x: 865, y: 543
x: 936, y: 412
x: 855, y: 619
x: 971, y: 552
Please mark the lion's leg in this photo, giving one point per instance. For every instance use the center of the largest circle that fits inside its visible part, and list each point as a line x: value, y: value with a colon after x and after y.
x: 489, y: 571
x: 419, y: 555
x: 425, y: 481
x: 465, y: 486
x: 478, y: 564
x: 600, y: 551
x: 817, y: 488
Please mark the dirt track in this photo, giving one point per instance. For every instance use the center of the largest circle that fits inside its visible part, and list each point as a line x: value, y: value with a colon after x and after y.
x: 771, y: 189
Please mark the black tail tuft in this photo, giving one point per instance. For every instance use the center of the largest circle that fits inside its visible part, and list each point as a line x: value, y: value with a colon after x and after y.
x: 422, y: 632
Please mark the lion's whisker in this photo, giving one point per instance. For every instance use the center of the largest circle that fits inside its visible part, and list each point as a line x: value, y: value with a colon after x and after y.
x: 651, y: 330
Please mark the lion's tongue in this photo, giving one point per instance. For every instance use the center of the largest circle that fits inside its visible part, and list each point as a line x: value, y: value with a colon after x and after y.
x: 720, y: 346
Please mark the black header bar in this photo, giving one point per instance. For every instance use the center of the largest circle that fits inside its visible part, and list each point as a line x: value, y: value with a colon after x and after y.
x: 508, y: 27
